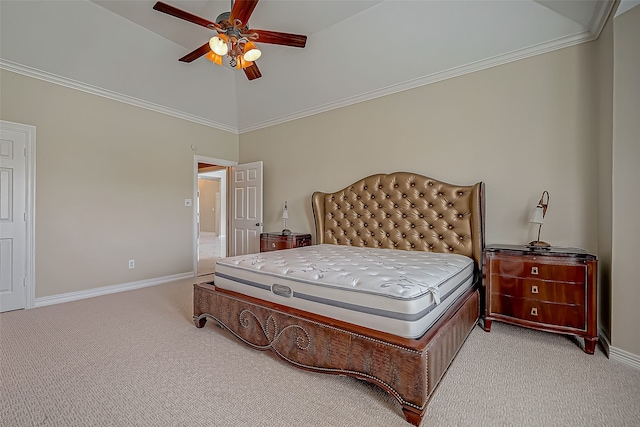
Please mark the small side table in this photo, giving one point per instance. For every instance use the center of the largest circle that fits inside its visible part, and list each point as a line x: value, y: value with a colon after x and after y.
x: 277, y: 241
x: 552, y: 289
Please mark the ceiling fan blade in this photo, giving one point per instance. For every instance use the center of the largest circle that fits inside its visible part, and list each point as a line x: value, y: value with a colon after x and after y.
x: 242, y: 10
x: 285, y: 39
x: 202, y: 50
x: 179, y: 13
x: 252, y: 72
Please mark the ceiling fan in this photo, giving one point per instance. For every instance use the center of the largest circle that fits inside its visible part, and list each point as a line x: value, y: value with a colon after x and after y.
x: 233, y: 37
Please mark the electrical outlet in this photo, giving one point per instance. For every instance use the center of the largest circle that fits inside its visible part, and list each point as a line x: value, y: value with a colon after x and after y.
x: 132, y: 263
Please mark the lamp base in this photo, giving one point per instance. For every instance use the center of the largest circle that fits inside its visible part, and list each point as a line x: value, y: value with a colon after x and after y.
x: 286, y: 232
x: 538, y: 244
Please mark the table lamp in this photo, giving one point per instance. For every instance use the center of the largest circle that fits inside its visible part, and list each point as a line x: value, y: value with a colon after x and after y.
x: 285, y: 217
x: 537, y: 217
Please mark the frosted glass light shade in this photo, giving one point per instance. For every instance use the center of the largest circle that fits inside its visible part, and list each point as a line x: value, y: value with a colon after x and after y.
x: 218, y: 44
x: 538, y: 215
x: 251, y: 52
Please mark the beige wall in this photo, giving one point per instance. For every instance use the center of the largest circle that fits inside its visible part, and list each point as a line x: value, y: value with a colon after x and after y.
x: 625, y: 316
x: 208, y: 189
x: 522, y: 128
x: 111, y: 182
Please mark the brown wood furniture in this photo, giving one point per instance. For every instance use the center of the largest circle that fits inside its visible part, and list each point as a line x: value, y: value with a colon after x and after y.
x: 278, y: 241
x: 552, y: 289
x: 400, y: 210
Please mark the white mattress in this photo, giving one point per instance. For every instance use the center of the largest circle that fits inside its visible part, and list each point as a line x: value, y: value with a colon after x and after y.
x: 394, y: 291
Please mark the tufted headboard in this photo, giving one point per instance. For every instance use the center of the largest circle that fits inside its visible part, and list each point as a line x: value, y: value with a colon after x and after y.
x: 404, y: 211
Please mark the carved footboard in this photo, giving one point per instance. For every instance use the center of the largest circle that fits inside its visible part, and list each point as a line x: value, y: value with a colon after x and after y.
x: 408, y: 369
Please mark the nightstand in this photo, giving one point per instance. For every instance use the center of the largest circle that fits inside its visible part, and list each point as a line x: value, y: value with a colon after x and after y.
x: 552, y: 289
x: 278, y: 241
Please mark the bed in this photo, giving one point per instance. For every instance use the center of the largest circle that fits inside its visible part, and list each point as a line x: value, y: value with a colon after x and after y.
x: 388, y: 294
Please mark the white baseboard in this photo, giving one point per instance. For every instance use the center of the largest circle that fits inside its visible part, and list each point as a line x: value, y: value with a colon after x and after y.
x: 617, y: 354
x: 625, y: 357
x: 105, y: 290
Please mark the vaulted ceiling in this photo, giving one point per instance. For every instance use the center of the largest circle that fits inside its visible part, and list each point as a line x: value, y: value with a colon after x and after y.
x: 356, y: 50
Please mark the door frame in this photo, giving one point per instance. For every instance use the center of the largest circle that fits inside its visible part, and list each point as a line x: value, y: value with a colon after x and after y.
x: 212, y: 161
x: 30, y: 207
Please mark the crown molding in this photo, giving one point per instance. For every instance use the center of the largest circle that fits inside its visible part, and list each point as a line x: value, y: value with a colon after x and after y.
x: 600, y: 16
x: 560, y: 43
x: 94, y: 90
x: 603, y: 9
x: 626, y: 5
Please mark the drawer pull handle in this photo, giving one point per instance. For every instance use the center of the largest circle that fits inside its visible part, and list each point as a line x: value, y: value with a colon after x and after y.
x: 273, y: 245
x: 534, y: 289
x: 534, y: 311
x: 534, y: 270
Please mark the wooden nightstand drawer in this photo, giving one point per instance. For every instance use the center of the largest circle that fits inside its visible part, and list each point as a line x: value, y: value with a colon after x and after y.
x: 542, y: 290
x: 537, y: 268
x: 274, y: 245
x: 547, y: 313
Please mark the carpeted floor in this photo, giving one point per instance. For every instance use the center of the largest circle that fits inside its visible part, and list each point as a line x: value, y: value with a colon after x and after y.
x: 136, y: 359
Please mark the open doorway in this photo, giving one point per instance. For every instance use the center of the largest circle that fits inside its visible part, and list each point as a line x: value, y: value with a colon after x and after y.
x: 212, y: 236
x: 239, y: 210
x: 210, y: 211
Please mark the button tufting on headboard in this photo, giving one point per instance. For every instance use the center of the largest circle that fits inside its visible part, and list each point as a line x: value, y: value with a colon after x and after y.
x: 412, y: 212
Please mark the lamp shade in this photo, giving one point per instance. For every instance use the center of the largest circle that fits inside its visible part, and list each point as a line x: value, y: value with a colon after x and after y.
x: 218, y: 44
x: 241, y: 63
x: 537, y: 217
x: 251, y: 51
x: 213, y: 57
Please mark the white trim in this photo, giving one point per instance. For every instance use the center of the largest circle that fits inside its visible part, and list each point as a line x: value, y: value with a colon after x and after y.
x: 212, y: 161
x: 538, y: 49
x: 603, y: 9
x: 94, y: 90
x: 625, y: 357
x: 106, y: 290
x: 600, y: 16
x: 626, y: 5
x: 617, y: 354
x: 30, y: 207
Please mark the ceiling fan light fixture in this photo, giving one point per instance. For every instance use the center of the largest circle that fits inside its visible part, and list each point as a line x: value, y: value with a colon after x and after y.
x: 251, y: 51
x: 219, y: 44
x: 214, y: 57
x: 233, y: 38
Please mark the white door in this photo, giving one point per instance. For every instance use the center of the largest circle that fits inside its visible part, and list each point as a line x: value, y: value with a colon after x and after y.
x: 13, y: 224
x: 246, y: 216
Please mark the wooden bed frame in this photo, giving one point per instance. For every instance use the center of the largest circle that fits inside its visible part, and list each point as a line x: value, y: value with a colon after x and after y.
x: 400, y: 210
